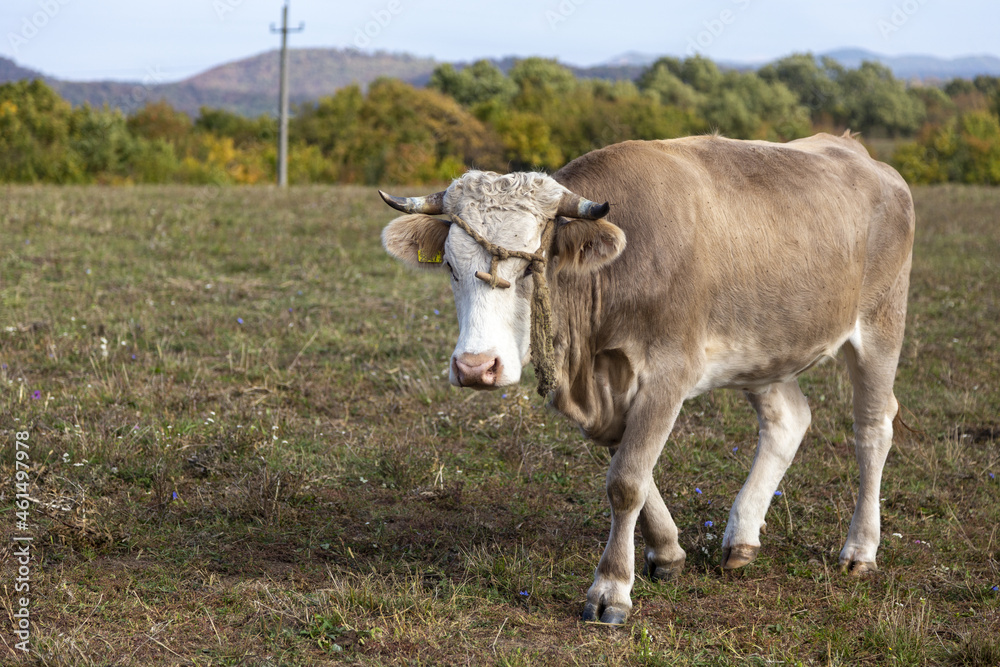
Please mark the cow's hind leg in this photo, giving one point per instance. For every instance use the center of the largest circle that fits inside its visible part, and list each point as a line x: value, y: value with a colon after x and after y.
x: 872, y: 363
x: 784, y: 416
x: 872, y: 353
x: 664, y: 557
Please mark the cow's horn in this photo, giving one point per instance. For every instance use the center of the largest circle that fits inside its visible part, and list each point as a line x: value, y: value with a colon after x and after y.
x: 431, y: 204
x: 575, y: 206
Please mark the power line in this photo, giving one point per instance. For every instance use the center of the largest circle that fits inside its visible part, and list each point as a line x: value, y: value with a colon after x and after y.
x: 283, y: 127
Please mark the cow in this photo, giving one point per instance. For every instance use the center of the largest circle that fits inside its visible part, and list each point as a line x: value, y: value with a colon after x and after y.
x: 713, y: 263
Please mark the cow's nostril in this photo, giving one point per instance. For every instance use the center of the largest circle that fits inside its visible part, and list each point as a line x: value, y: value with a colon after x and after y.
x: 477, y: 370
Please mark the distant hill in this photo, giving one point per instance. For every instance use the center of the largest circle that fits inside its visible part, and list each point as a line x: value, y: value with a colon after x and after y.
x: 608, y: 71
x: 910, y: 67
x: 639, y: 60
x: 924, y: 68
x: 11, y: 71
x: 631, y: 58
x: 250, y: 86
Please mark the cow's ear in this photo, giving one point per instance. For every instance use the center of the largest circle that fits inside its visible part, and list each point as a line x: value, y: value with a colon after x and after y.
x: 586, y: 245
x: 416, y: 239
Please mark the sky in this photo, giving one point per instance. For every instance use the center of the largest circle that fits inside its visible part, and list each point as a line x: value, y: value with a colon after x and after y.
x: 167, y: 40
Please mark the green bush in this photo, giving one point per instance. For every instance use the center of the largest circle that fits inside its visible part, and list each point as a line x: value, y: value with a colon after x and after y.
x: 965, y: 149
x: 396, y: 134
x: 35, y: 133
x: 538, y: 116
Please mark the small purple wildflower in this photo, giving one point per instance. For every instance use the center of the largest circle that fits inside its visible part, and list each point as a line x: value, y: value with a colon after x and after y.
x: 709, y: 524
x: 504, y: 396
x: 240, y: 320
x: 175, y: 495
x: 37, y: 394
x: 437, y: 312
x: 524, y: 593
x: 133, y: 356
x: 289, y: 310
x: 992, y: 476
x: 735, y: 448
x: 995, y: 589
x: 777, y: 493
x: 697, y: 490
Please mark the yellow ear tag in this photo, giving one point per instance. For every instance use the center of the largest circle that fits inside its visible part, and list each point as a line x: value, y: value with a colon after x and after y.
x: 427, y: 258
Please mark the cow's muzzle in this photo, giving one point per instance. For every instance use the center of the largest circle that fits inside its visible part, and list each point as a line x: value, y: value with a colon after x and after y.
x: 478, y: 371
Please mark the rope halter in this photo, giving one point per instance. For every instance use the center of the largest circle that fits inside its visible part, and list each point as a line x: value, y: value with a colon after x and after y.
x: 542, y: 348
x: 498, y: 254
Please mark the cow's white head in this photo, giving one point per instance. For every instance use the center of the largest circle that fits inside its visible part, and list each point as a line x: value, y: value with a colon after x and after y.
x: 509, y: 211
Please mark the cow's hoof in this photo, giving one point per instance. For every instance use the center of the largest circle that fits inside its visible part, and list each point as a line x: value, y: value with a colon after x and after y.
x: 857, y: 568
x: 614, y: 616
x: 738, y: 555
x: 663, y: 571
x: 610, y: 616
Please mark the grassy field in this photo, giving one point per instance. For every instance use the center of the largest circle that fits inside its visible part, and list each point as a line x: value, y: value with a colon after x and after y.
x: 243, y: 450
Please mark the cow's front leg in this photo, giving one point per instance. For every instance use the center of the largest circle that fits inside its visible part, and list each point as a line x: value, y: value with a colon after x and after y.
x: 629, y: 484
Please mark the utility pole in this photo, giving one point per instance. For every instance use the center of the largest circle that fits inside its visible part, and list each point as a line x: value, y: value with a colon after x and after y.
x: 283, y: 127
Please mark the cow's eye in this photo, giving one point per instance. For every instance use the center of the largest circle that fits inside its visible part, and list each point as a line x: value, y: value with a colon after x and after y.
x: 527, y: 271
x: 451, y: 271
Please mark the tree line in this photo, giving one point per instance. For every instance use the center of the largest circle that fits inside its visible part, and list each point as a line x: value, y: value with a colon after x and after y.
x: 538, y: 115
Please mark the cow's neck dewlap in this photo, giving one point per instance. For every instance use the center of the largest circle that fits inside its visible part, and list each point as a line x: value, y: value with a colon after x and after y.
x: 542, y: 351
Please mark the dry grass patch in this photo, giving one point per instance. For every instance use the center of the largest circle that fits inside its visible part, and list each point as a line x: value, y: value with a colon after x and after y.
x: 244, y: 451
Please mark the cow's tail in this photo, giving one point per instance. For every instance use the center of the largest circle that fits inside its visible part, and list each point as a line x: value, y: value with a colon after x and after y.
x: 898, y: 425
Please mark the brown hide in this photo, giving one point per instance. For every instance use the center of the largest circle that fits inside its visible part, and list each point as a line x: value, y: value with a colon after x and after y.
x: 764, y: 254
